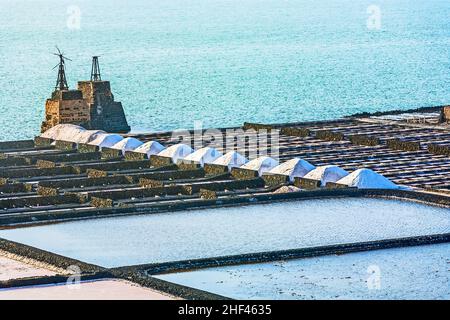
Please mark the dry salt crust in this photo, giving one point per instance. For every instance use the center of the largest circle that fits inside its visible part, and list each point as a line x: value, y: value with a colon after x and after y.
x: 108, y: 289
x: 183, y: 235
x: 404, y: 273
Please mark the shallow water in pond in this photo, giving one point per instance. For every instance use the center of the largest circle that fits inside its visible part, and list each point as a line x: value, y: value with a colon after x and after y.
x: 227, y: 231
x: 404, y: 273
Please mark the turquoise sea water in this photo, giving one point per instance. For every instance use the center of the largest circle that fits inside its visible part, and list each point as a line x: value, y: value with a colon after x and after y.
x: 227, y: 61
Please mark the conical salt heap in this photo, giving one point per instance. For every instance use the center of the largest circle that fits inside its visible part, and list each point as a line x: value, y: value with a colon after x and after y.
x: 367, y: 179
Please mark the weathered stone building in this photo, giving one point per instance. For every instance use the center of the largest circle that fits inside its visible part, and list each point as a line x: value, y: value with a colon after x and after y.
x: 92, y: 105
x: 445, y: 114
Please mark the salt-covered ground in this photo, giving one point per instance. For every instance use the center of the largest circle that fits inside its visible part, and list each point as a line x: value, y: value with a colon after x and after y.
x: 404, y: 273
x: 184, y: 235
x: 14, y: 269
x: 109, y: 289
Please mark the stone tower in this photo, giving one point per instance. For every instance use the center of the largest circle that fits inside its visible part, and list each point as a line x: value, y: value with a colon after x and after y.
x: 65, y: 106
x: 92, y: 106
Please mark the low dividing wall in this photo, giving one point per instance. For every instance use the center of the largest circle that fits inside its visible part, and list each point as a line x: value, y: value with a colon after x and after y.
x: 113, y: 166
x: 46, y: 257
x: 91, y: 272
x: 50, y: 280
x: 13, y: 145
x: 269, y: 256
x: 174, y: 289
x: 15, y: 188
x: 35, y: 172
x: 439, y: 149
x: 397, y: 144
x: 224, y: 201
x: 47, y: 198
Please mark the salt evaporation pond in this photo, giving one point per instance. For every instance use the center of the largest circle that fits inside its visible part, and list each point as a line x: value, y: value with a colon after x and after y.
x: 403, y: 273
x: 203, y: 233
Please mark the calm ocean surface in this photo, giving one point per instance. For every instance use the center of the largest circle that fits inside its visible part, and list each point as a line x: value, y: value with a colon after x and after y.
x: 226, y: 61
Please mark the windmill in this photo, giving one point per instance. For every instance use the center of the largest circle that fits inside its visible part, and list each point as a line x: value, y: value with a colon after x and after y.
x: 95, y: 71
x: 61, y: 82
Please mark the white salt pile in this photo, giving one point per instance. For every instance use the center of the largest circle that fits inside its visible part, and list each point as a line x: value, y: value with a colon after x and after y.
x: 204, y: 155
x: 87, y: 136
x: 287, y: 189
x: 127, y: 144
x: 261, y: 164
x: 64, y: 132
x: 176, y: 152
x: 326, y: 174
x: 106, y: 140
x: 293, y: 168
x: 231, y: 159
x: 150, y: 148
x: 367, y: 179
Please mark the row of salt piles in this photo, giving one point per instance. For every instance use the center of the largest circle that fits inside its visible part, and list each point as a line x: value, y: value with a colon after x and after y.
x: 361, y: 178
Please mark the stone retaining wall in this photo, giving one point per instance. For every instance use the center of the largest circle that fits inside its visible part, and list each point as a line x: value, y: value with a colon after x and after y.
x: 329, y: 135
x: 19, y: 144
x: 47, y: 257
x: 439, y: 149
x: 364, y: 140
x: 397, y: 144
x: 270, y: 256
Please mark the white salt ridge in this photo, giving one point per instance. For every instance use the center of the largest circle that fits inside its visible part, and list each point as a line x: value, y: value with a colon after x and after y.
x: 367, y: 179
x: 87, y: 136
x: 106, y: 140
x: 261, y: 164
x: 327, y: 174
x: 231, y: 159
x: 176, y: 152
x: 64, y: 132
x: 150, y: 148
x: 127, y: 144
x: 293, y: 168
x: 204, y: 155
